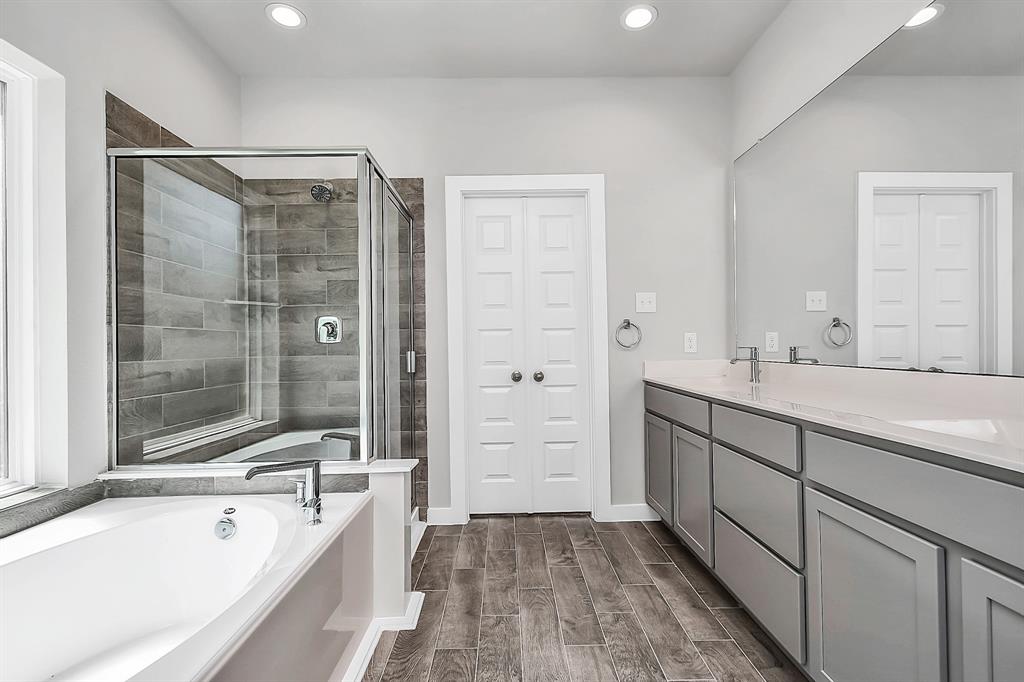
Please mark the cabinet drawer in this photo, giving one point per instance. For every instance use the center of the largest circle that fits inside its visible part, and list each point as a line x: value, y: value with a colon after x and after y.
x: 987, y: 513
x: 679, y: 408
x: 776, y: 441
x: 765, y: 502
x: 770, y: 589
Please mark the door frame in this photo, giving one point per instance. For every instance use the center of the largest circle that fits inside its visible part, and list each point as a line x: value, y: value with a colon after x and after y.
x: 996, y: 249
x: 591, y: 188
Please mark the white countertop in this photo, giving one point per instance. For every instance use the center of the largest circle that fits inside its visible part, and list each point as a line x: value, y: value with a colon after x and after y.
x: 978, y: 418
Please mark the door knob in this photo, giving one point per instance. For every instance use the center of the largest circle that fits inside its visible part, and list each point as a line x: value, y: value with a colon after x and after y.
x: 538, y: 376
x: 517, y: 376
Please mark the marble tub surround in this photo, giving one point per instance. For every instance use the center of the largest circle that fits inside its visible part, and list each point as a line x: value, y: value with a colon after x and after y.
x: 976, y: 418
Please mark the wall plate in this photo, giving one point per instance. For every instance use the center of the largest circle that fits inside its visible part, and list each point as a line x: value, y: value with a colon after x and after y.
x: 817, y: 301
x: 646, y: 302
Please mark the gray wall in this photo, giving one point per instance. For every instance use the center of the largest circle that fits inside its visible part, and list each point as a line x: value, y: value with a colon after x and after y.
x: 796, y: 191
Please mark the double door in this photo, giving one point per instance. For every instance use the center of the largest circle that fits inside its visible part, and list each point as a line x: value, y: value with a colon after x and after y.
x: 528, y: 365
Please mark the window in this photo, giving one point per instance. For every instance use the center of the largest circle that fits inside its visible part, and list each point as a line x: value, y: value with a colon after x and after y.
x: 33, y: 277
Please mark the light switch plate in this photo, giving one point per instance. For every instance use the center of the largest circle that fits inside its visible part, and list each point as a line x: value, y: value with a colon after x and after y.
x: 771, y: 342
x: 646, y: 302
x: 690, y: 342
x: 817, y: 301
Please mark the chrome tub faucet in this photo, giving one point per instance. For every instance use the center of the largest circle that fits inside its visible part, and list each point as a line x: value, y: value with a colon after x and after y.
x: 755, y: 362
x: 307, y: 489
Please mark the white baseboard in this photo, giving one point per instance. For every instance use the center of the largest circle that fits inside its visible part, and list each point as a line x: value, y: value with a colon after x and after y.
x: 368, y: 643
x: 445, y: 516
x: 418, y: 528
x: 627, y: 512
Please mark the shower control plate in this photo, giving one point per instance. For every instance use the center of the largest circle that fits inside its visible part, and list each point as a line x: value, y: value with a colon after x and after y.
x: 328, y: 329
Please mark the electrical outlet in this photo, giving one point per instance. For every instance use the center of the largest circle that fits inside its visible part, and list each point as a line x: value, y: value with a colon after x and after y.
x: 817, y: 301
x: 771, y: 342
x: 690, y: 342
x: 646, y: 302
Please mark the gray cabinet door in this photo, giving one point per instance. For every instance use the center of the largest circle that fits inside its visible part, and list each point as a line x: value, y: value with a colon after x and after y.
x: 658, y: 460
x: 691, y: 500
x: 993, y: 625
x: 875, y: 598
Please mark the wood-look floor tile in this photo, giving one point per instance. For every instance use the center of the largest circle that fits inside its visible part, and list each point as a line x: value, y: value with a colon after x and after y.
x: 379, y: 658
x: 453, y: 665
x: 691, y: 611
x: 557, y: 545
x: 678, y: 656
x: 414, y: 649
x: 460, y: 626
x: 604, y: 526
x: 758, y: 646
x: 501, y: 596
x: 502, y: 533
x: 727, y: 662
x: 500, y: 657
x: 582, y: 533
x: 472, y: 550
x: 428, y: 535
x: 631, y: 652
x: 647, y: 548
x: 590, y: 664
x: 543, y: 655
x: 627, y: 565
x: 605, y: 589
x: 706, y: 585
x: 438, y: 565
x: 661, y: 533
x: 501, y: 563
x: 453, y: 529
x: 576, y: 615
x: 417, y: 565
x: 531, y: 563
x: 527, y: 524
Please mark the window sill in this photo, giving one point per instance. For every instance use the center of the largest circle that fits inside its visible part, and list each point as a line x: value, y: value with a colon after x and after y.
x: 30, y: 495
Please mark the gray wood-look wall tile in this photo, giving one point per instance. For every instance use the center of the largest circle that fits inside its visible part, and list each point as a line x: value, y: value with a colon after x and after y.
x: 199, y: 344
x: 139, y: 379
x: 136, y: 343
x: 42, y: 509
x: 131, y: 124
x: 203, y: 403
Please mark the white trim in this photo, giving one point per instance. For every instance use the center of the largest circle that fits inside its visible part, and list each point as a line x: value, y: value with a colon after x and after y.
x: 36, y: 268
x: 418, y: 528
x: 368, y: 644
x: 591, y: 186
x: 997, y: 190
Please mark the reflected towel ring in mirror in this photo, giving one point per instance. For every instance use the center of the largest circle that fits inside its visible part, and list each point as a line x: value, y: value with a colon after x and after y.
x: 626, y: 326
x: 845, y: 329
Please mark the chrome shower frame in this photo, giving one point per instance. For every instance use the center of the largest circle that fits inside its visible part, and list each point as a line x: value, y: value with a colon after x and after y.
x: 373, y: 377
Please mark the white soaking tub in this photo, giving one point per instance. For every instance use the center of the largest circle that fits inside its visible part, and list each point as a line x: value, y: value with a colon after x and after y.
x: 142, y: 588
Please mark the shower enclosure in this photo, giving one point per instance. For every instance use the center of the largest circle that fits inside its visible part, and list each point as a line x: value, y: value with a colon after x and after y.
x: 261, y: 306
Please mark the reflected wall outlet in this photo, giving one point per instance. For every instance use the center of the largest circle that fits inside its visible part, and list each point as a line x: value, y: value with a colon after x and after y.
x: 771, y: 342
x: 690, y: 342
x: 646, y: 302
x: 817, y: 301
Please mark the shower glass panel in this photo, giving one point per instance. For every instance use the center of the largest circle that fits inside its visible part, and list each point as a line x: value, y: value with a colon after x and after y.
x: 257, y: 304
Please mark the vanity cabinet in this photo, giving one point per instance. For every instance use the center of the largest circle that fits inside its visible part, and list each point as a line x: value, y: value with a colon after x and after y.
x: 691, y: 491
x: 993, y: 624
x: 876, y: 598
x: 658, y: 461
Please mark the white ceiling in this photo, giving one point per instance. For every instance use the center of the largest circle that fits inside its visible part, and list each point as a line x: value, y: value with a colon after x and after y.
x: 969, y: 38
x: 481, y: 38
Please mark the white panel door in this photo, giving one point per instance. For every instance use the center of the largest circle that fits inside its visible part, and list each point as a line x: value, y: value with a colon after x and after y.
x: 498, y: 464
x: 894, y: 282
x: 527, y: 303
x: 557, y: 343
x: 950, y: 282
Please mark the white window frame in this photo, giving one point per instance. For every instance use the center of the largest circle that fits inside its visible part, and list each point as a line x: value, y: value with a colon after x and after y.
x: 36, y: 277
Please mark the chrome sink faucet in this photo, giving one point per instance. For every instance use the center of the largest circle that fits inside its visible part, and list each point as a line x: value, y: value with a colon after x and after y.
x: 755, y: 362
x: 307, y: 490
x: 794, y: 356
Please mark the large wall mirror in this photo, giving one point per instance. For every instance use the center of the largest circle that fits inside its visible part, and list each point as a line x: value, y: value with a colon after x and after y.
x: 882, y: 225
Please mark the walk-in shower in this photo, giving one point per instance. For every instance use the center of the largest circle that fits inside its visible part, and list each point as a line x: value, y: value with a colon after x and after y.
x: 261, y: 306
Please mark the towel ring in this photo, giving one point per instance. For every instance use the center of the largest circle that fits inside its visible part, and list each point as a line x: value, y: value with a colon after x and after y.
x: 626, y: 325
x: 844, y: 327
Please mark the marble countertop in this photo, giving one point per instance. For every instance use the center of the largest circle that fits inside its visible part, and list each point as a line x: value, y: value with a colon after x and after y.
x: 975, y: 418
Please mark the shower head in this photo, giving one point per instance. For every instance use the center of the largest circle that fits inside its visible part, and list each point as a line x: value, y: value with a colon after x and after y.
x: 322, y: 192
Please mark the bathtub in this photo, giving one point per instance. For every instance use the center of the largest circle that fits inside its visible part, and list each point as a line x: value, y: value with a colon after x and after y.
x: 142, y: 589
x: 297, y: 445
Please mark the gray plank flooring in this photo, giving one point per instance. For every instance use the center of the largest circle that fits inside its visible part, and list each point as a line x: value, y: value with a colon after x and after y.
x: 550, y: 598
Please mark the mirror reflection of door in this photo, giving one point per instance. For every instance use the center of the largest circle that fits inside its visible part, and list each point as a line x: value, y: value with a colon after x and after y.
x: 928, y: 275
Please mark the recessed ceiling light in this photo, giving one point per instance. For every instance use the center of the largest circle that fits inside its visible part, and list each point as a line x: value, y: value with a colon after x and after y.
x: 638, y: 17
x: 924, y: 15
x: 286, y: 15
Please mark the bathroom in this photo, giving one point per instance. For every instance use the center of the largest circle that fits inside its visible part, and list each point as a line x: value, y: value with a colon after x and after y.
x: 512, y: 340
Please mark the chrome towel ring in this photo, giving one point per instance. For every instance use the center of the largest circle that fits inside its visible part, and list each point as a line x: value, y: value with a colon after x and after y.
x: 627, y: 326
x: 845, y: 329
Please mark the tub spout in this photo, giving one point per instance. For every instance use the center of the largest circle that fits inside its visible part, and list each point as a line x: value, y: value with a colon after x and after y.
x: 309, y: 497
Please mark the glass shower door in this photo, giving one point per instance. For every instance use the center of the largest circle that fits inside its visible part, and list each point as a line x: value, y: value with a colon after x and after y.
x: 398, y: 311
